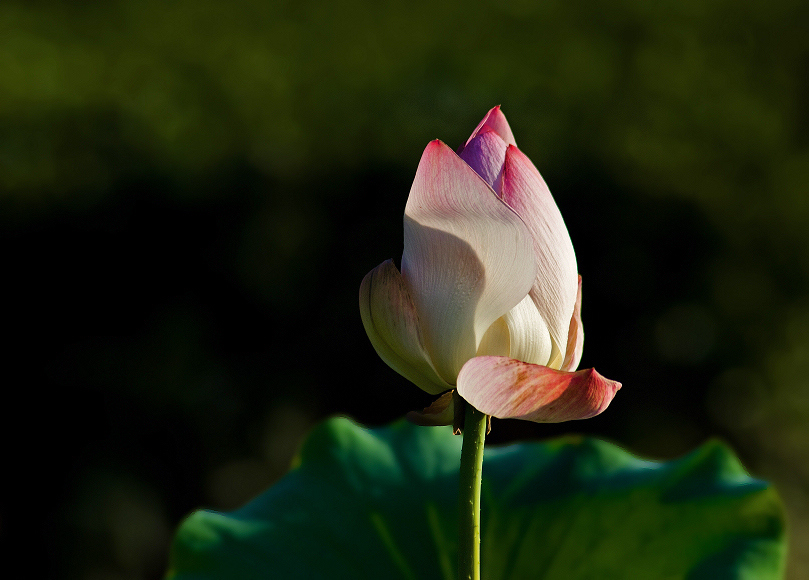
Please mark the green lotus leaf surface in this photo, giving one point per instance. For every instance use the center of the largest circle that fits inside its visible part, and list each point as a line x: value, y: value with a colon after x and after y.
x: 382, y: 504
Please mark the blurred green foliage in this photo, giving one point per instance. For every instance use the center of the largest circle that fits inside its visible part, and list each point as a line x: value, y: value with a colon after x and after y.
x: 190, y: 193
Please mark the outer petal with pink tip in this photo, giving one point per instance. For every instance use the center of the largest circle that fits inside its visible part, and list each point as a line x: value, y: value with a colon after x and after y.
x: 507, y: 388
x: 556, y: 284
x: 468, y: 258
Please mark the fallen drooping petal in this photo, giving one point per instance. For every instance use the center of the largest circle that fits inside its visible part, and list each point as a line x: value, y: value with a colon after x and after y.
x: 575, y: 337
x: 494, y: 120
x: 440, y: 412
x: 468, y: 257
x: 391, y: 322
x: 556, y: 283
x: 486, y: 154
x: 507, y: 388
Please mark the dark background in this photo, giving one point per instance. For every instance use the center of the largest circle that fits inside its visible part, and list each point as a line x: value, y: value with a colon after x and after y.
x: 191, y: 192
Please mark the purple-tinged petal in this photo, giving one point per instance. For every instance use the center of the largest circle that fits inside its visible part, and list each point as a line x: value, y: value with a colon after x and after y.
x: 468, y: 257
x: 494, y: 120
x: 575, y: 337
x: 556, y: 283
x: 508, y: 388
x: 392, y: 323
x: 485, y: 153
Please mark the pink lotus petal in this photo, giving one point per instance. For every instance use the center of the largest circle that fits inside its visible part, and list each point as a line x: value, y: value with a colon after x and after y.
x: 485, y: 153
x: 468, y: 258
x: 575, y: 337
x: 494, y: 120
x: 556, y: 284
x: 392, y: 323
x: 507, y: 388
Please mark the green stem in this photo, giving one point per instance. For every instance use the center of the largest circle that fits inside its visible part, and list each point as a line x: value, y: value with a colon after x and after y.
x: 474, y: 433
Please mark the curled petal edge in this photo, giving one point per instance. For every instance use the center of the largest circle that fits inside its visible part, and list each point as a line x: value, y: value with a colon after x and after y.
x: 507, y: 388
x: 575, y: 336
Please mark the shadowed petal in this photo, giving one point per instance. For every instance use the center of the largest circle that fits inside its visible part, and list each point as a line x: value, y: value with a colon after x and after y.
x: 496, y: 341
x: 440, y: 412
x: 391, y: 322
x: 556, y: 283
x: 468, y: 258
x: 575, y: 337
x: 520, y: 333
x: 508, y: 388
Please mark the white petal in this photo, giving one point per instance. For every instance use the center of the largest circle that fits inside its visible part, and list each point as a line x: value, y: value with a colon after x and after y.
x: 391, y: 322
x: 556, y: 284
x: 496, y: 341
x: 528, y: 333
x: 468, y: 258
x: 520, y: 334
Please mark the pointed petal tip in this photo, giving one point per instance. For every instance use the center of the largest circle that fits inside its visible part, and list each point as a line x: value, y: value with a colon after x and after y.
x: 433, y: 144
x: 437, y: 149
x: 600, y: 391
x: 593, y: 375
x: 599, y: 377
x: 494, y: 120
